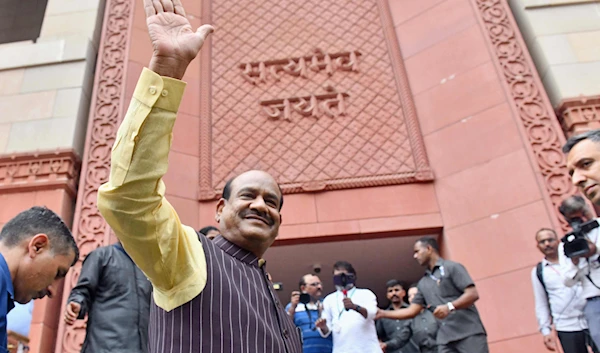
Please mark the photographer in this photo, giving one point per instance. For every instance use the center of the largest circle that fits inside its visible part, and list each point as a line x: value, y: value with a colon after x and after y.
x: 583, y: 164
x: 305, y: 309
x: 556, y: 304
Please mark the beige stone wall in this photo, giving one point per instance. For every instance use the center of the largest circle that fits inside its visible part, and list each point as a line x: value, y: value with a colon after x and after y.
x: 45, y: 87
x: 563, y: 37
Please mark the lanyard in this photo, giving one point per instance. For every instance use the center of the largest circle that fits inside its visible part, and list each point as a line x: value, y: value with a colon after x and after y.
x: 553, y: 269
x: 435, y: 278
x: 349, y: 296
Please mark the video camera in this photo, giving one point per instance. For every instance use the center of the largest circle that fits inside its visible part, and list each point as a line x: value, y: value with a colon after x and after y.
x: 576, y: 243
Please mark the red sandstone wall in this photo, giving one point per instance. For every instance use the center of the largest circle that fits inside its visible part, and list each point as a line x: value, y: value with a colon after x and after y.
x: 486, y: 188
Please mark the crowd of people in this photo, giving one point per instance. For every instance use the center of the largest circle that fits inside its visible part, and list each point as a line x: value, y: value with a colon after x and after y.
x: 164, y: 287
x: 440, y: 316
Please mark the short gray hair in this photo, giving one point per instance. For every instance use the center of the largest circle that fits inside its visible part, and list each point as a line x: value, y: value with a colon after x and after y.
x: 593, y: 135
x: 573, y: 204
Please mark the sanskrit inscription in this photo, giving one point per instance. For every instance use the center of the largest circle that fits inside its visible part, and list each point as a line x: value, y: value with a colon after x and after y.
x: 262, y: 71
x: 331, y: 104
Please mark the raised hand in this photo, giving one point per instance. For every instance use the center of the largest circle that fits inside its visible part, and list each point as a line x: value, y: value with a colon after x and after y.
x: 175, y: 44
x: 295, y: 298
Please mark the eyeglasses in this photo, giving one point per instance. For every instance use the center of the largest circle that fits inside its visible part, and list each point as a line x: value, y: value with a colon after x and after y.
x: 316, y: 284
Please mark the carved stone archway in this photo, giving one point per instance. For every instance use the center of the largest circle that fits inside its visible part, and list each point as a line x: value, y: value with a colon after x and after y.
x: 89, y: 228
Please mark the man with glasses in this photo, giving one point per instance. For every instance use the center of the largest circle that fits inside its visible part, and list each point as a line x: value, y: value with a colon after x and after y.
x: 305, y: 308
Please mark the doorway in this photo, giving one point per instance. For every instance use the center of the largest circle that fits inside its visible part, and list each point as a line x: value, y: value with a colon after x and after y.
x: 376, y: 260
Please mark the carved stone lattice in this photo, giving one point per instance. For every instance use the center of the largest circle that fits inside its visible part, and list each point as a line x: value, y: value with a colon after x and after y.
x: 90, y: 229
x: 539, y: 125
x: 376, y: 142
x: 39, y: 171
x: 578, y: 115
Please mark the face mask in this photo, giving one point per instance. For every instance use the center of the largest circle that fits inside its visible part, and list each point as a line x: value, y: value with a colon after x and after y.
x: 344, y: 281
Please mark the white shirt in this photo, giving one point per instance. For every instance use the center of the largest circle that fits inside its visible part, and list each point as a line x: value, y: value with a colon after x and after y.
x: 577, y: 273
x: 566, y: 303
x: 352, y: 333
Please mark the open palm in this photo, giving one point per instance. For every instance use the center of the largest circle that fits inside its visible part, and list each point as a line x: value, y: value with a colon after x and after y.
x: 172, y: 36
x: 173, y: 39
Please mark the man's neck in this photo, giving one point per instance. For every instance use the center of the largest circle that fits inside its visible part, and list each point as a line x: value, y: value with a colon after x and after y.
x: 552, y: 259
x: 257, y: 248
x: 433, y: 261
x: 397, y: 306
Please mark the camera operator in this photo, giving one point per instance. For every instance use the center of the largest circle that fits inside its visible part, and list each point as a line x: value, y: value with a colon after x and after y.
x: 305, y: 309
x: 583, y: 164
x: 555, y: 303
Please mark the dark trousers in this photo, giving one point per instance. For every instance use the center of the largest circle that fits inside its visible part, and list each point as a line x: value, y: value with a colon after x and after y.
x: 471, y: 344
x: 576, y: 342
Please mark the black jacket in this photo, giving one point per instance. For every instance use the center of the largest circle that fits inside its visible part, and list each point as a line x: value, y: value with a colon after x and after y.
x: 115, y: 295
x: 388, y: 331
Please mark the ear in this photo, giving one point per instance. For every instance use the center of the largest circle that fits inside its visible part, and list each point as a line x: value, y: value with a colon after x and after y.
x: 38, y: 244
x: 220, y: 207
x: 280, y: 218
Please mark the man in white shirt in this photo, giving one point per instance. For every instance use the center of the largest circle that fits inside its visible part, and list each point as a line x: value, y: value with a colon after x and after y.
x: 583, y: 165
x: 556, y: 303
x: 349, y: 314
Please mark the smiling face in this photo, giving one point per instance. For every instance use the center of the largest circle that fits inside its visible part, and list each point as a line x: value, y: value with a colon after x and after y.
x: 40, y: 269
x: 250, y: 218
x: 583, y: 164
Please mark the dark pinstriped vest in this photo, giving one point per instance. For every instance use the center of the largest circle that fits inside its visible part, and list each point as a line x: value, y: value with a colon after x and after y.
x: 237, y: 312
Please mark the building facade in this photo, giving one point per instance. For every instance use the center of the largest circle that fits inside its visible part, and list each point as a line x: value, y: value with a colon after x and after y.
x: 383, y: 120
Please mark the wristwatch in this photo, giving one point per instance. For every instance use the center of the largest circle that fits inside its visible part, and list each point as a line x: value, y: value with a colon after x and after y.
x: 357, y: 308
x: 451, y: 306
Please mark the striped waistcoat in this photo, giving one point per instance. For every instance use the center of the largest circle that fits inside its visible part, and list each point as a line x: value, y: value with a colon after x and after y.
x: 237, y: 312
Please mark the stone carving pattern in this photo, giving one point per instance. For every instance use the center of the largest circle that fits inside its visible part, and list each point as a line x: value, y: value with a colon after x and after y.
x: 20, y: 173
x: 375, y: 143
x: 537, y: 118
x: 90, y: 229
x: 579, y: 115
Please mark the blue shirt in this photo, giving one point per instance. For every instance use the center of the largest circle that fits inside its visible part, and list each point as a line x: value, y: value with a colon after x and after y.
x: 6, y: 301
x: 312, y: 342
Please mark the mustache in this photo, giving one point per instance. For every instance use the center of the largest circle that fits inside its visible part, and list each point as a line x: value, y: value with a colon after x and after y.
x: 263, y: 215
